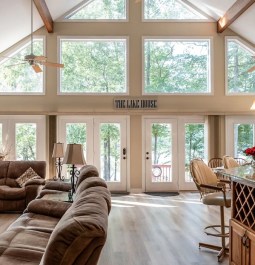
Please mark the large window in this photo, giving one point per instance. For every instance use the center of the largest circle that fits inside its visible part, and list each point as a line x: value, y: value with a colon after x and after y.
x: 97, y: 66
x: 239, y: 59
x: 100, y: 10
x: 23, y: 137
x: 170, y: 9
x: 177, y: 66
x: 17, y: 76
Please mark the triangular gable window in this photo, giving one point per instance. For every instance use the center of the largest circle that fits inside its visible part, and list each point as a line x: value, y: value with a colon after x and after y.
x: 170, y: 9
x: 240, y: 58
x: 16, y: 75
x: 100, y: 10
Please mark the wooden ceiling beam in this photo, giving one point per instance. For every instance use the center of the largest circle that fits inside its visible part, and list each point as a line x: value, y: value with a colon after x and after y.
x: 235, y: 11
x: 45, y: 14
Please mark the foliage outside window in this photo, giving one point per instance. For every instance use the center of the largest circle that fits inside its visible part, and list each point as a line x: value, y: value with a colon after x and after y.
x: 244, y: 138
x: 110, y: 151
x: 76, y: 134
x: 101, y: 10
x: 17, y: 76
x: 93, y: 66
x: 239, y: 60
x: 169, y: 9
x: 176, y: 66
x: 25, y: 141
x: 194, y: 145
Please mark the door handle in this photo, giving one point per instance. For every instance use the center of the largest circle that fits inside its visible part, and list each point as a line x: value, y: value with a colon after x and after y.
x: 147, y: 155
x: 124, y: 153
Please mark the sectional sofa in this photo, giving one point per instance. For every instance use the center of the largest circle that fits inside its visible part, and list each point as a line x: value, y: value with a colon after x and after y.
x: 60, y: 233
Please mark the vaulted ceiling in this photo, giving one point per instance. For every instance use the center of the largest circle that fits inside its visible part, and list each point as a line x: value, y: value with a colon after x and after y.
x: 15, y: 17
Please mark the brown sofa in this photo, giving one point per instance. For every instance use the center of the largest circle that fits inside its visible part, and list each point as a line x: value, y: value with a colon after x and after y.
x: 12, y: 196
x: 60, y: 233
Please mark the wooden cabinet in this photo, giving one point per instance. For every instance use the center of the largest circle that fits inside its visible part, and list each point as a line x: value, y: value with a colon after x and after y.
x: 242, y: 225
x: 242, y: 245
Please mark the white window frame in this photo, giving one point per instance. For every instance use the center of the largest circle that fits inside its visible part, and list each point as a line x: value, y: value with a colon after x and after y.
x: 229, y: 130
x: 246, y: 46
x: 210, y: 82
x: 189, y: 6
x: 14, y: 50
x: 96, y: 38
x: 9, y: 132
x: 64, y: 18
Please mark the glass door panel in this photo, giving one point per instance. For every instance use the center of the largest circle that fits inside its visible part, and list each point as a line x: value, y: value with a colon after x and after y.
x: 160, y: 155
x: 25, y: 141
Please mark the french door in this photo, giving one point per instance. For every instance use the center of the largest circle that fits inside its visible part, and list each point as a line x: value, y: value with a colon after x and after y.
x: 105, y: 142
x: 170, y: 144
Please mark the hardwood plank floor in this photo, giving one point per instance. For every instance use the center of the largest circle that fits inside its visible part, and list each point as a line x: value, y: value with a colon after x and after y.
x: 152, y: 230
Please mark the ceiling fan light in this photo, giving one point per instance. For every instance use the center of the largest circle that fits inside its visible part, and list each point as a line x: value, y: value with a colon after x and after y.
x: 253, y: 105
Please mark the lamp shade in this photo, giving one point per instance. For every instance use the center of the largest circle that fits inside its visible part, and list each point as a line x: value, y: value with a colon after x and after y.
x: 58, y: 150
x: 74, y: 155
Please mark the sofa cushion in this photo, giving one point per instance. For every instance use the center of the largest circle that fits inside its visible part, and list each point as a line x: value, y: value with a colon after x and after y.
x: 9, y: 193
x: 87, y: 171
x: 90, y: 182
x: 26, y: 176
x: 33, y: 221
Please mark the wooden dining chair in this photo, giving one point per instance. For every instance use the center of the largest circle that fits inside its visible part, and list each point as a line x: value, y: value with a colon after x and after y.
x: 215, y: 162
x: 241, y: 161
x: 229, y: 162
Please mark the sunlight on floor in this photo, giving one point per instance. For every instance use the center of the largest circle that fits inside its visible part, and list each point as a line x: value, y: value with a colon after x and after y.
x: 143, y: 204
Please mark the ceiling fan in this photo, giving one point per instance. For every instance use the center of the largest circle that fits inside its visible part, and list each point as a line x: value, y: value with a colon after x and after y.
x: 34, y: 60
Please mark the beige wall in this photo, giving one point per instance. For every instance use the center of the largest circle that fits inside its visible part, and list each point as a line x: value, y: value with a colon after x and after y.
x: 53, y: 104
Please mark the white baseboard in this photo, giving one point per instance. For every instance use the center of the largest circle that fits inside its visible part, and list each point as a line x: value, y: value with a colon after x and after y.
x: 136, y: 191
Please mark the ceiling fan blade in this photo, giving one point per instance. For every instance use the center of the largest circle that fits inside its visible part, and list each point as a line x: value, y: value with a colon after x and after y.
x: 7, y: 57
x: 251, y: 69
x: 37, y: 68
x: 16, y: 64
x: 60, y: 65
x: 40, y: 58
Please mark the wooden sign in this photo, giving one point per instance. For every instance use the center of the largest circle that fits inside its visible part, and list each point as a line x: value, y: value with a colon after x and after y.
x: 135, y: 103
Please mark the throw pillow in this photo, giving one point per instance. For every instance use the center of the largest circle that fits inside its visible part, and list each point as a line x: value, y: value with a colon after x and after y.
x: 27, y: 175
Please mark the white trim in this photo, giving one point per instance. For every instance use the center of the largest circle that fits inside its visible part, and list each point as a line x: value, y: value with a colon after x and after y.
x: 64, y: 18
x: 210, y: 79
x: 136, y: 191
x: 94, y: 38
x: 18, y: 48
x: 246, y: 46
x: 189, y: 6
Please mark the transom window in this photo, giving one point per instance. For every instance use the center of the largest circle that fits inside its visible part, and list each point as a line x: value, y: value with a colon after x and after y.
x: 97, y: 66
x: 178, y: 66
x: 170, y: 9
x: 100, y: 10
x: 239, y: 59
x: 17, y: 76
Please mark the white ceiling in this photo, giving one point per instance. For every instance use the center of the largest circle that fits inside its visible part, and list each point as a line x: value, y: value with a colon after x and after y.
x: 15, y: 17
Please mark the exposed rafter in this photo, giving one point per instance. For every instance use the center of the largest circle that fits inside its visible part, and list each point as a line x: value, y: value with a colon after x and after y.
x: 45, y: 14
x: 233, y: 13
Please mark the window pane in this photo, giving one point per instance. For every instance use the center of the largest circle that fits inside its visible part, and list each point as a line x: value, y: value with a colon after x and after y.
x: 244, y: 135
x: 110, y: 151
x: 161, y: 148
x: 169, y: 9
x: 18, y: 76
x: 101, y: 9
x: 25, y: 141
x: 76, y: 134
x: 176, y: 66
x: 194, y: 145
x: 239, y: 61
x: 93, y: 66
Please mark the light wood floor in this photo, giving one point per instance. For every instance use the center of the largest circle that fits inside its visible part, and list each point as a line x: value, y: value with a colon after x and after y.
x: 152, y: 230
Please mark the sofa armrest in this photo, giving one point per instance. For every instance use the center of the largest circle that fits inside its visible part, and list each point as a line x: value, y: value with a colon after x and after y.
x: 57, y: 185
x: 39, y: 181
x: 48, y: 207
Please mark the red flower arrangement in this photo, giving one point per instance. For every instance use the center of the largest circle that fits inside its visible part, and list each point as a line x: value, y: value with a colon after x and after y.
x: 250, y: 151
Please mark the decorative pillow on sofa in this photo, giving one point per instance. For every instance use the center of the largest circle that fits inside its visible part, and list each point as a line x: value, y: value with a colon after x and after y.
x: 27, y: 175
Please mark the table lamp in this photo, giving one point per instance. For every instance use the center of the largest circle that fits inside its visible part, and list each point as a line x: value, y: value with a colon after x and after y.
x: 58, y: 153
x: 74, y: 156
